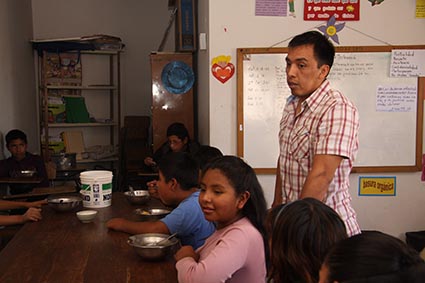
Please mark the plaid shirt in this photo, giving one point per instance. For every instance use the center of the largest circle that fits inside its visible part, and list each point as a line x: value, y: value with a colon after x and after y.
x: 328, y: 123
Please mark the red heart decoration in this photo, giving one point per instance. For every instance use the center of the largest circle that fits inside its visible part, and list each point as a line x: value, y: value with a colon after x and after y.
x: 223, y: 74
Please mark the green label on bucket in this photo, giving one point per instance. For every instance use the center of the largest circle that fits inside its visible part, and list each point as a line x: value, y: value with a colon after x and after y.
x: 107, y: 186
x: 85, y: 187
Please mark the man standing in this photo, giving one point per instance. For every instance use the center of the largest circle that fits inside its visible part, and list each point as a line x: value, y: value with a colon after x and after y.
x: 318, y: 131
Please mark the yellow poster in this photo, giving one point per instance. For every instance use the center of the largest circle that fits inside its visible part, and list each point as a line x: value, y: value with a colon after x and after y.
x: 420, y: 9
x: 377, y: 186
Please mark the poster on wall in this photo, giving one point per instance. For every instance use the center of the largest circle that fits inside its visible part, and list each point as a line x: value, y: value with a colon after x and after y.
x: 322, y: 10
x: 377, y: 186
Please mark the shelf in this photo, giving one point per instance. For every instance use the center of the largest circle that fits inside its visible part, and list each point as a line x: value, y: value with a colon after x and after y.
x: 76, y: 125
x: 89, y: 87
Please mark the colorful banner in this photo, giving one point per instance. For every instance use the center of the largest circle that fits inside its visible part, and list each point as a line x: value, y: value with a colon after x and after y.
x: 377, y: 186
x: 322, y: 10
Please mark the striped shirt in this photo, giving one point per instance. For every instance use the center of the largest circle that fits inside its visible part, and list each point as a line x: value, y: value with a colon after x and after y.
x: 328, y: 123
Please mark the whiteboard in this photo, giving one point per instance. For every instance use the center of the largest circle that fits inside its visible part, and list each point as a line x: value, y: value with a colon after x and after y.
x: 390, y: 108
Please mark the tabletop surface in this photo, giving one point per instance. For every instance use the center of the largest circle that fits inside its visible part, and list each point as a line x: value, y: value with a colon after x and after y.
x: 20, y: 180
x: 60, y: 248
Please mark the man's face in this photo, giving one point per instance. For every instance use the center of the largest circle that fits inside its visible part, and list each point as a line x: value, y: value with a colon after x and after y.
x: 17, y: 148
x: 302, y: 71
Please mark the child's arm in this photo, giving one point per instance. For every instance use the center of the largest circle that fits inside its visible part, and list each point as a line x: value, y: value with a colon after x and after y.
x: 32, y: 214
x: 6, y: 204
x: 132, y: 227
x: 219, y: 264
x: 186, y: 251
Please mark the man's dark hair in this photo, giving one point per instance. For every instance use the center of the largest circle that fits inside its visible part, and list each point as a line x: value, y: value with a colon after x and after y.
x: 324, y: 51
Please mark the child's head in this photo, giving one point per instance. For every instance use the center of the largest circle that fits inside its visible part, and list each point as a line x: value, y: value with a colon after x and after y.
x: 301, y: 234
x: 230, y: 190
x: 206, y: 154
x: 177, y: 170
x: 177, y: 136
x: 372, y: 257
x: 16, y: 143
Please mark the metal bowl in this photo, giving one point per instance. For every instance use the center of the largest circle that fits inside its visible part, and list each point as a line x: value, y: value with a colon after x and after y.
x: 139, y: 196
x: 64, y: 203
x: 151, y: 214
x: 144, y: 245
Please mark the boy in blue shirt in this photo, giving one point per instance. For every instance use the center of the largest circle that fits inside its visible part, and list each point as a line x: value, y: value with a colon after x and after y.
x: 177, y: 187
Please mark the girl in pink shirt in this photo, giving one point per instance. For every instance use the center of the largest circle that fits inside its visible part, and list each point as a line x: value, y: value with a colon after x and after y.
x: 232, y: 197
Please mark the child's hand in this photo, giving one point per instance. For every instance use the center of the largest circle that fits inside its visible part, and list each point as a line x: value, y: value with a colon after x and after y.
x: 153, y: 189
x: 149, y: 161
x: 116, y: 224
x: 32, y: 214
x: 38, y: 203
x: 186, y: 251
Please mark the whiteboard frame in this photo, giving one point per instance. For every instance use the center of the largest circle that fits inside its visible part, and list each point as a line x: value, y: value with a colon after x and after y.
x: 242, y: 52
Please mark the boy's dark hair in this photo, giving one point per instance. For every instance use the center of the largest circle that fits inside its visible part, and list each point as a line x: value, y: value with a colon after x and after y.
x: 182, y: 167
x: 179, y: 130
x: 14, y: 135
x: 324, y: 51
x: 206, y: 154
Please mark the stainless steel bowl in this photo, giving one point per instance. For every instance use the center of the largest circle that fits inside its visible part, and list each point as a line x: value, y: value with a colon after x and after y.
x: 144, y: 245
x: 139, y: 196
x: 151, y: 214
x: 64, y: 203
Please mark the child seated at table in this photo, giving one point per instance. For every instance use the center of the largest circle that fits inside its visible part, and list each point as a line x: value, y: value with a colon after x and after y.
x: 372, y: 256
x: 22, y: 160
x: 301, y: 232
x: 177, y: 187
x: 204, y: 155
x: 178, y: 140
x: 32, y: 214
x: 232, y: 197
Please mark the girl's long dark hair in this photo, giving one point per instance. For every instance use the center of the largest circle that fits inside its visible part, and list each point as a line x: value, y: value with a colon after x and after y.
x: 301, y: 234
x: 243, y: 178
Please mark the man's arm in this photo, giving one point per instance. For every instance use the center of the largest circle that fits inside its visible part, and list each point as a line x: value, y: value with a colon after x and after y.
x: 321, y: 175
x: 278, y: 198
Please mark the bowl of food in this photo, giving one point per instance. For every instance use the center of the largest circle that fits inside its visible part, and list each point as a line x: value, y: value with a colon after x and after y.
x: 86, y: 216
x: 151, y: 214
x: 153, y: 246
x: 64, y: 203
x: 137, y: 196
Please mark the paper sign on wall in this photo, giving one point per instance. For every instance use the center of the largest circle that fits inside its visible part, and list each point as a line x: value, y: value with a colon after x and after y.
x: 407, y: 63
x: 377, y: 186
x: 322, y: 10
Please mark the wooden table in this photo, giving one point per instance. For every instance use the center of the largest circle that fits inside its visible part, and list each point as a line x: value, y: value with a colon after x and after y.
x: 42, y: 191
x: 20, y: 180
x: 60, y: 248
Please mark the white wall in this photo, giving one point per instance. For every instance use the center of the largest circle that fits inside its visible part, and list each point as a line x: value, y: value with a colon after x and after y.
x: 232, y: 25
x: 17, y: 86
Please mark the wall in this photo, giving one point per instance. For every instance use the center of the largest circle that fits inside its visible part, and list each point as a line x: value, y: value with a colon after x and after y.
x: 17, y: 85
x: 232, y: 25
x: 140, y: 25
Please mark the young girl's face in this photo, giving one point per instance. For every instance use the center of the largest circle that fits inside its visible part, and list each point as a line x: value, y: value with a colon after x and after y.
x: 218, y: 199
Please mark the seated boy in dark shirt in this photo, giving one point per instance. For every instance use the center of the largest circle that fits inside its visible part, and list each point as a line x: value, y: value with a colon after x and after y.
x: 21, y: 160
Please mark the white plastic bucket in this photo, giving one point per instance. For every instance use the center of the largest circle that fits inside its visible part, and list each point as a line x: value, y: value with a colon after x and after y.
x: 96, y: 188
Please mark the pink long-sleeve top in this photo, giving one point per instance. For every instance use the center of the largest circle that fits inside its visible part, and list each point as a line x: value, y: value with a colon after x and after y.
x: 234, y: 254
